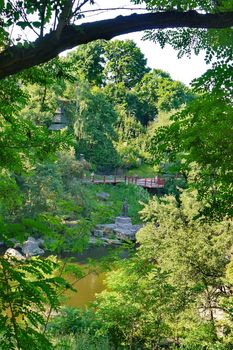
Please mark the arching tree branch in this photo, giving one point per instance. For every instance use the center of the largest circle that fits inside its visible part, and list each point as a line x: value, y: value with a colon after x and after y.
x: 15, y: 59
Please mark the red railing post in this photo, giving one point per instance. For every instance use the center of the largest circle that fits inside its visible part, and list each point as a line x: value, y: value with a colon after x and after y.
x: 150, y: 182
x: 115, y: 179
x: 104, y: 179
x: 145, y: 182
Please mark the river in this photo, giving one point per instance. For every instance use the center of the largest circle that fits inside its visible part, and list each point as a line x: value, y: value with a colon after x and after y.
x: 86, y: 288
x: 91, y: 284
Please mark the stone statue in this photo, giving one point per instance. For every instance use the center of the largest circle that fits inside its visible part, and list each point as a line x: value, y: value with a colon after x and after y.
x: 124, y: 210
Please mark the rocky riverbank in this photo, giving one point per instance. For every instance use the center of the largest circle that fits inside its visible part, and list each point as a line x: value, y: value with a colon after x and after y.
x: 31, y: 247
x: 120, y: 231
x: 114, y: 234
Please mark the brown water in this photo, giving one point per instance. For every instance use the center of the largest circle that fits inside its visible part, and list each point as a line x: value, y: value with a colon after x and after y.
x: 93, y: 283
x: 86, y: 288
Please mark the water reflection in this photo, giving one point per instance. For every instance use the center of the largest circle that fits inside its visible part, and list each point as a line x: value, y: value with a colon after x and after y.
x: 93, y: 283
x: 96, y: 253
x: 87, y: 287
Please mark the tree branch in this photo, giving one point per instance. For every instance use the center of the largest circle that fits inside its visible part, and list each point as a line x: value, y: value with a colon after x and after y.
x: 78, y: 8
x: 15, y: 59
x: 64, y: 17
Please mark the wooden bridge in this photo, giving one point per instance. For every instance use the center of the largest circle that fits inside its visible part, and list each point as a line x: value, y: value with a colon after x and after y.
x: 149, y: 183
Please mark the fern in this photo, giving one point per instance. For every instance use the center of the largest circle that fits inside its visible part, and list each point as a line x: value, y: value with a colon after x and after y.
x: 29, y: 290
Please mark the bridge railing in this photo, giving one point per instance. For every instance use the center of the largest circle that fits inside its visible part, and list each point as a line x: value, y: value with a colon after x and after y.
x: 114, y: 179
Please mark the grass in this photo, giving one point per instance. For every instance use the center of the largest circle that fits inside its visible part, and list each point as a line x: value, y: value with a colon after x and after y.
x: 101, y: 212
x: 145, y: 170
x: 81, y: 341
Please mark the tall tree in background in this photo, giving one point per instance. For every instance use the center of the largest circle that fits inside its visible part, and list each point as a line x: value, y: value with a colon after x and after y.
x: 88, y: 62
x: 158, y: 89
x: 94, y: 128
x: 125, y: 63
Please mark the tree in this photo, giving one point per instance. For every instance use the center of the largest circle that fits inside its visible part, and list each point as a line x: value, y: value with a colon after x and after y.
x: 195, y: 253
x: 135, y: 304
x: 88, y: 62
x: 169, y: 292
x: 94, y: 128
x: 103, y: 62
x: 54, y: 24
x: 199, y: 140
x: 125, y: 63
x: 130, y: 101
x: 159, y: 90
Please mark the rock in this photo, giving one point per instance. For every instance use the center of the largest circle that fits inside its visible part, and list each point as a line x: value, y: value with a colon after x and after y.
x: 31, y: 247
x: 103, y: 196
x: 122, y: 221
x: 40, y: 242
x: 110, y: 241
x: 98, y: 233
x: 92, y: 240
x: 125, y: 235
x: 121, y: 230
x: 11, y: 252
x: 106, y: 229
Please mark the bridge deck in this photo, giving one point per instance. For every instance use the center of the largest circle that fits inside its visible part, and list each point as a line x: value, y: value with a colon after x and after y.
x: 155, y: 182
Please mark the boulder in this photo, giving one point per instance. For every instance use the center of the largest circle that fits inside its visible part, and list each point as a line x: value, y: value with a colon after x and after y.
x: 40, y: 242
x: 31, y: 247
x: 110, y: 241
x: 11, y: 252
x: 121, y: 230
x: 98, y: 233
x: 123, y: 220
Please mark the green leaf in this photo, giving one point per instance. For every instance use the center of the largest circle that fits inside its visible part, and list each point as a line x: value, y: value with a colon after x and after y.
x: 36, y: 24
x: 23, y: 25
x: 1, y: 4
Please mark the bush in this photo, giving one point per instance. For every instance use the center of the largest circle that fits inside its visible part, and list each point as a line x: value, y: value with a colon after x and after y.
x: 77, y: 329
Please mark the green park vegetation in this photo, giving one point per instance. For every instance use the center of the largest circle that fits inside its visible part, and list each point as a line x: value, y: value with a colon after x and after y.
x: 117, y: 116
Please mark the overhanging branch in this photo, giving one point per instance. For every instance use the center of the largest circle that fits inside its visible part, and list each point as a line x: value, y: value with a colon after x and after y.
x: 15, y: 59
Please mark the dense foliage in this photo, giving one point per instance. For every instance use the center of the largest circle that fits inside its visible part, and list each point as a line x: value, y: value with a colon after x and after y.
x: 176, y: 289
x: 174, y: 292
x: 27, y: 287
